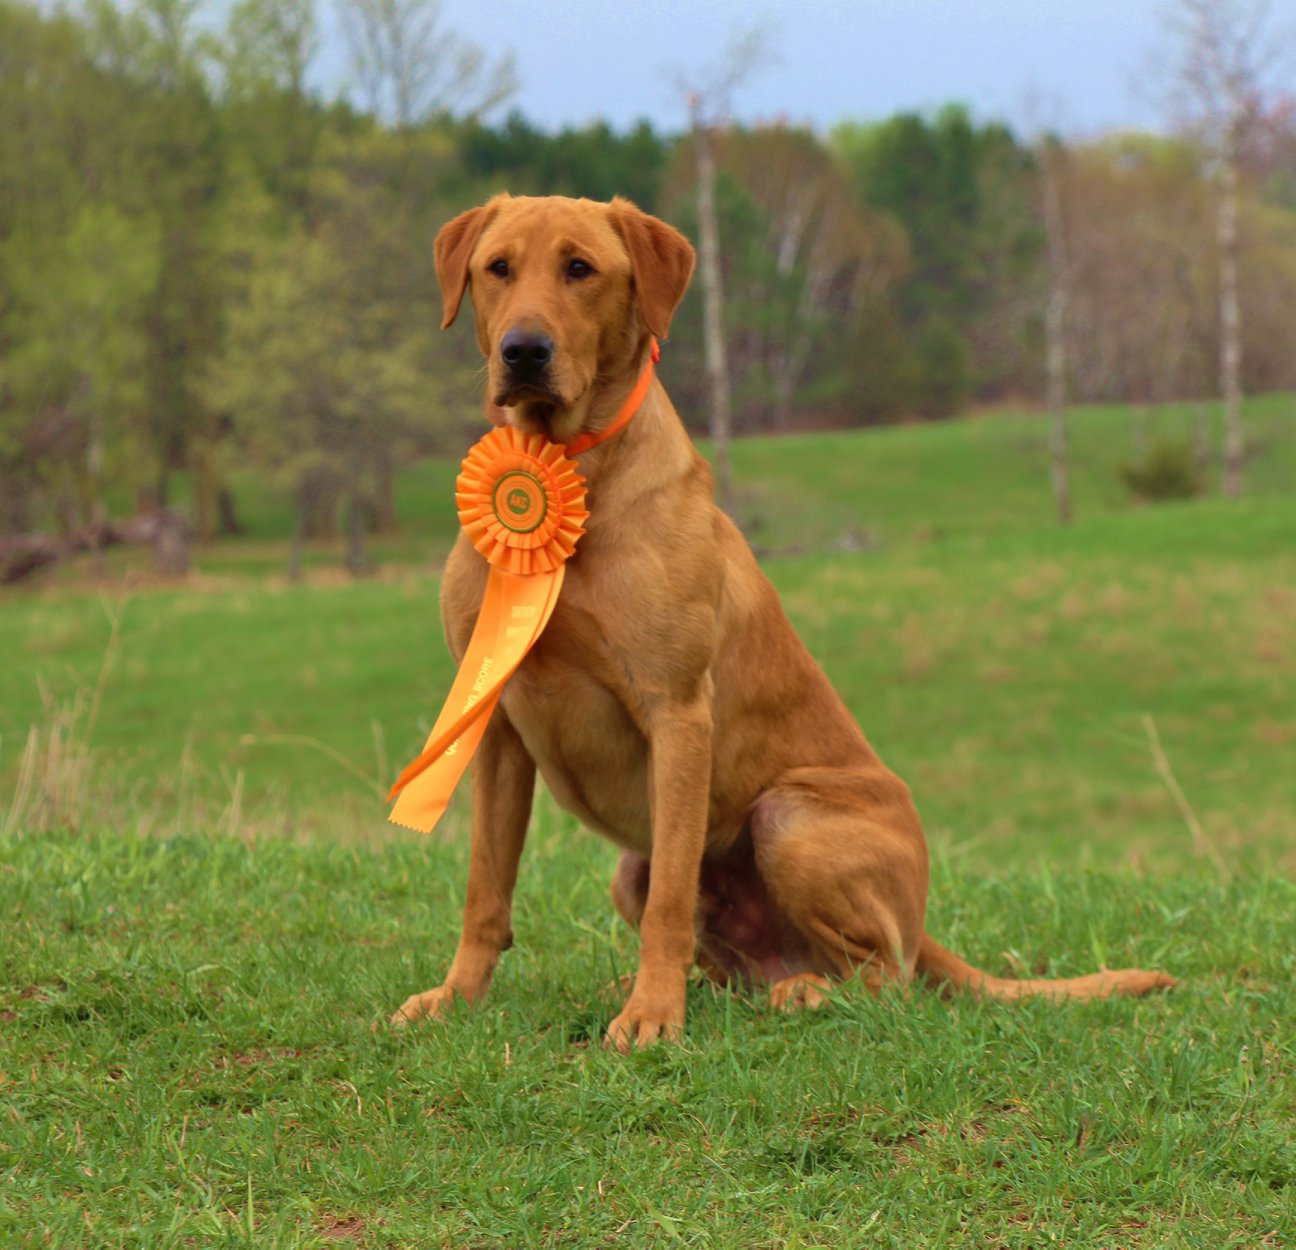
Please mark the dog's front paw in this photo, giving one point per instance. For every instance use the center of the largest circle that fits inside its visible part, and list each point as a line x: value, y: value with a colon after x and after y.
x: 426, y: 1006
x: 644, y: 1021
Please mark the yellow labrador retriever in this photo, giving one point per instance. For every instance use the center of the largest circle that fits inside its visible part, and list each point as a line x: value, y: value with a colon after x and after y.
x: 669, y: 705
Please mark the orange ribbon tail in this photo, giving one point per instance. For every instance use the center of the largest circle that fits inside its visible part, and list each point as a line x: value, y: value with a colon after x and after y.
x: 522, y: 504
x: 513, y: 614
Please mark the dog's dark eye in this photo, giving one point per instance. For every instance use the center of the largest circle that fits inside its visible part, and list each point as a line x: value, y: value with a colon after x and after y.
x: 579, y: 269
x: 499, y: 268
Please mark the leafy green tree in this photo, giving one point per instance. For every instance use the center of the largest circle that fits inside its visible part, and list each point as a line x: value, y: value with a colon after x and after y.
x: 944, y: 380
x: 77, y: 264
x: 827, y: 257
x: 592, y: 161
x: 77, y: 364
x: 46, y: 89
x: 201, y: 260
x: 34, y: 171
x: 323, y: 376
x: 963, y: 196
x: 924, y: 174
x: 173, y: 165
x: 270, y: 116
x: 879, y: 368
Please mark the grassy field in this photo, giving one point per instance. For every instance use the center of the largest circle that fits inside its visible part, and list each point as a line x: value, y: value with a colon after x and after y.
x: 189, y: 1061
x: 976, y: 479
x: 203, y: 910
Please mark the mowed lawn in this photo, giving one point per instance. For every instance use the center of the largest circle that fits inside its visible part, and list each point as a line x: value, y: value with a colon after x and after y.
x: 203, y: 910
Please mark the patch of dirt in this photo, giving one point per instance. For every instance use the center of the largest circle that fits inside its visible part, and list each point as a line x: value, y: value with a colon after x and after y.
x: 343, y: 1228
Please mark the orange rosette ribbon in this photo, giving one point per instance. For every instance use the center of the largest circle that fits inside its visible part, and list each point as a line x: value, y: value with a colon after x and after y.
x: 521, y: 501
x: 522, y: 504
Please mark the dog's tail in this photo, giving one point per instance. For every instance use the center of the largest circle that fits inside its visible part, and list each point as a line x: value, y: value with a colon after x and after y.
x: 948, y: 973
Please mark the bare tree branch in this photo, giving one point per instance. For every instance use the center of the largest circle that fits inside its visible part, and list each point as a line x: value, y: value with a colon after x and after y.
x: 709, y: 90
x: 410, y: 67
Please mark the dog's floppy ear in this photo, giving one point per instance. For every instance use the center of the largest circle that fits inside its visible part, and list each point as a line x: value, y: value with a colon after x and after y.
x: 661, y: 260
x: 453, y: 249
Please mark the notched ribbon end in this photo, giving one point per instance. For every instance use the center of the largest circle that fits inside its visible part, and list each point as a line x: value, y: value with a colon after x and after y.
x: 422, y: 827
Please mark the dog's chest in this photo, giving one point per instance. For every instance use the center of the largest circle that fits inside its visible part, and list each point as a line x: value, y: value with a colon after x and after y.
x: 585, y: 745
x: 569, y: 704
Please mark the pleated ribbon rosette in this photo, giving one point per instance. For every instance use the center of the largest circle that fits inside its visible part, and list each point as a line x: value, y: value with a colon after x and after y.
x: 521, y: 502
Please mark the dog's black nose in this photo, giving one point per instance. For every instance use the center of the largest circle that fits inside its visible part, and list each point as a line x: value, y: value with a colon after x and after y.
x: 526, y: 352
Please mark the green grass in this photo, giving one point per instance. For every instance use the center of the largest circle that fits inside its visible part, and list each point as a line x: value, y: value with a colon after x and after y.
x: 1007, y: 678
x: 203, y: 909
x: 975, y: 479
x: 189, y: 1061
x: 970, y: 479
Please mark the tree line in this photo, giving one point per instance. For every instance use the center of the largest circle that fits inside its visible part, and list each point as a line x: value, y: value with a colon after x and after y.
x: 206, y: 265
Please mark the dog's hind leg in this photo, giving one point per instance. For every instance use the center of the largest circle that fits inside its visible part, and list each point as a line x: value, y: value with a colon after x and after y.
x: 843, y: 858
x: 630, y: 887
x: 842, y: 855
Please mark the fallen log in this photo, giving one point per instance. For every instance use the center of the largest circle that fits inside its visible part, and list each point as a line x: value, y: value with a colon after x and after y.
x: 167, y: 531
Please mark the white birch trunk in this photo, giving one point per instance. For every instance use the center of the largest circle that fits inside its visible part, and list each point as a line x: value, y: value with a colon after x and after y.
x: 1230, y: 317
x: 1055, y: 336
x: 717, y: 365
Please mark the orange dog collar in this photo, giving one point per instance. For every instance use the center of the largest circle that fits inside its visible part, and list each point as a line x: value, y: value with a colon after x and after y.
x: 583, y: 442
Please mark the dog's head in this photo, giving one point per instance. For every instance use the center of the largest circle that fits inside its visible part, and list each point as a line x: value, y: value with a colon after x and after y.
x: 566, y: 293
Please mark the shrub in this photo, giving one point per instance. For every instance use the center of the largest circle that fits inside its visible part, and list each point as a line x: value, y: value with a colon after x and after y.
x: 1167, y: 470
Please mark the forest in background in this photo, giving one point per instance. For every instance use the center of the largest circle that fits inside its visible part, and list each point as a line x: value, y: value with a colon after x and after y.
x: 204, y: 264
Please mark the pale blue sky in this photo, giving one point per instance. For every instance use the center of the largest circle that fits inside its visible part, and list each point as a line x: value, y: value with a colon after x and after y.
x: 1085, y: 61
